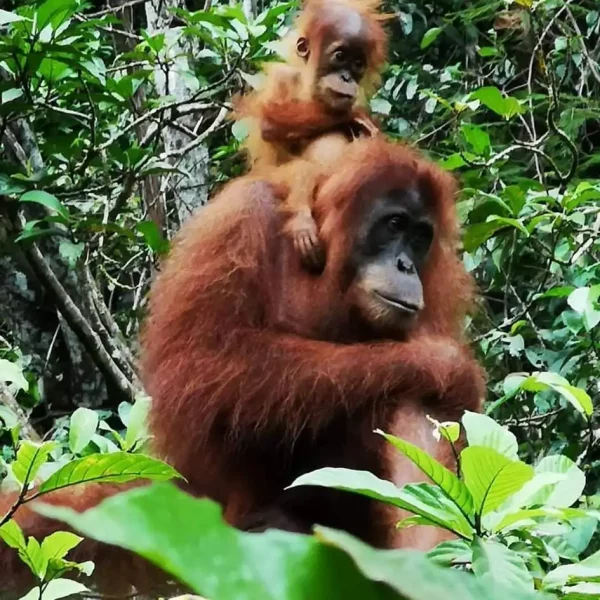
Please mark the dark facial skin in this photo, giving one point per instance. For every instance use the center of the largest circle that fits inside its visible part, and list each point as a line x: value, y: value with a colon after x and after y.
x: 343, y: 58
x: 391, y: 250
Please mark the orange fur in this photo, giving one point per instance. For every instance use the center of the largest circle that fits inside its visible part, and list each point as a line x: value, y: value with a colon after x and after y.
x: 285, y: 117
x: 309, y: 24
x: 260, y: 372
x: 225, y: 351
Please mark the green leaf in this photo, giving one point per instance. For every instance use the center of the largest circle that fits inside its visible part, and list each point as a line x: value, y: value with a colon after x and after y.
x: 492, y: 97
x: 584, y: 301
x: 29, y: 552
x: 496, y: 564
x: 11, y: 372
x: 585, y: 590
x: 56, y: 589
x: 30, y: 457
x: 10, y: 17
x: 479, y: 233
x: 188, y: 538
x: 430, y: 36
x: 487, y: 51
x: 153, y: 236
x: 59, y: 544
x: 421, y: 499
x: 32, y: 231
x: 12, y: 535
x: 482, y: 430
x: 381, y: 106
x: 559, y: 577
x: 84, y: 423
x: 70, y: 252
x: 137, y: 426
x: 36, y: 560
x: 567, y: 490
x: 511, y: 223
x: 10, y: 95
x: 422, y: 580
x: 491, y: 477
x: 557, y: 292
x: 448, y: 553
x: 55, y: 12
x: 577, y: 397
x: 449, y: 483
x: 118, y: 467
x: 477, y: 138
x: 47, y: 200
x: 452, y: 162
x: 449, y: 430
x: 517, y: 519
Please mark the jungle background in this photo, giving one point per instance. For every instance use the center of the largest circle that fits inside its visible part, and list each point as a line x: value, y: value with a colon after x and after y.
x: 114, y: 129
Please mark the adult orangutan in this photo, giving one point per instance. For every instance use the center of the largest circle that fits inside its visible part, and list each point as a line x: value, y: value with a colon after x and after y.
x: 260, y: 372
x: 310, y: 108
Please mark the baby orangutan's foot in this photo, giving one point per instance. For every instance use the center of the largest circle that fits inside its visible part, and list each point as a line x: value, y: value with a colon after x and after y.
x: 305, y: 236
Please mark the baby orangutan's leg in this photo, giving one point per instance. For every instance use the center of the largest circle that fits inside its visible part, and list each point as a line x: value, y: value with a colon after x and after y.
x: 302, y: 177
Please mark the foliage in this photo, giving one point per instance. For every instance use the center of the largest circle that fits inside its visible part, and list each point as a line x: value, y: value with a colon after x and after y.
x: 189, y: 538
x: 506, y: 95
x: 515, y: 524
x: 51, y: 467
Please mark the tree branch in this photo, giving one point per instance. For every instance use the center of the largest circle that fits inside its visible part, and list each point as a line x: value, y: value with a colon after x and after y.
x: 76, y: 320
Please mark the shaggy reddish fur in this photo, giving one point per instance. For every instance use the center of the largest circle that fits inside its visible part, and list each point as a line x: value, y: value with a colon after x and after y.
x: 284, y: 107
x: 243, y: 400
x: 260, y: 372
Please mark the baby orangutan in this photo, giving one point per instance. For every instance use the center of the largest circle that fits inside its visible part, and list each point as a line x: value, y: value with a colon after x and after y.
x: 310, y: 108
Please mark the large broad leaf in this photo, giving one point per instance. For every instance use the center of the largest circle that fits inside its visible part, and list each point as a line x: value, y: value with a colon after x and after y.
x: 10, y: 17
x: 426, y: 581
x: 118, y: 467
x: 520, y: 519
x: 450, y: 484
x: 59, y: 544
x: 559, y: 577
x: 479, y: 233
x: 491, y: 477
x: 84, y: 423
x: 56, y: 589
x: 30, y: 457
x: 29, y: 551
x: 477, y: 138
x: 423, y: 499
x: 492, y: 97
x: 430, y: 36
x: 12, y: 373
x: 567, y: 490
x: 448, y: 553
x: 557, y: 484
x: 585, y: 301
x: 47, y: 200
x: 579, y: 398
x: 12, y: 535
x: 496, y: 565
x: 188, y: 538
x: 484, y: 431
